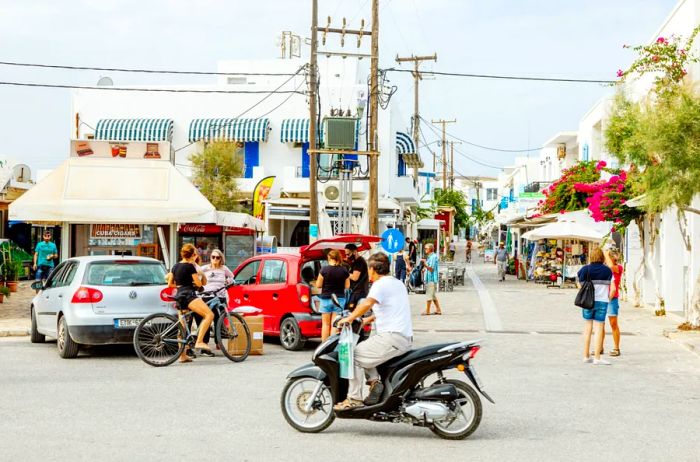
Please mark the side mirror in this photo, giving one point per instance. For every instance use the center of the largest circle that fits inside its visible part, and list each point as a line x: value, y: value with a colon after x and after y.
x: 37, y: 285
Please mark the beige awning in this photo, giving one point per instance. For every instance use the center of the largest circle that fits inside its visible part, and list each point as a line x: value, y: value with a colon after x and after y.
x: 239, y: 220
x: 114, y: 191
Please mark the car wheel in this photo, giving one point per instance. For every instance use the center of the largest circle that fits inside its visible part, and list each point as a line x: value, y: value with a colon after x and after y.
x: 67, y: 348
x: 290, y: 335
x: 34, y: 335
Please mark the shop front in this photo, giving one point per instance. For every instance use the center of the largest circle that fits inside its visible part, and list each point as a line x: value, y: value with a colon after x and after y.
x: 118, y: 239
x: 205, y: 238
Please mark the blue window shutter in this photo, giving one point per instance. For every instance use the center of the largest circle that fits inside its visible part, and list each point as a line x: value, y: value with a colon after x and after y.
x: 401, y: 167
x: 305, y: 160
x: 252, y: 157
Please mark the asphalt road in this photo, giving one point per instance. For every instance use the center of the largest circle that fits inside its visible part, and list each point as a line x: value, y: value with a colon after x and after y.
x: 108, y: 405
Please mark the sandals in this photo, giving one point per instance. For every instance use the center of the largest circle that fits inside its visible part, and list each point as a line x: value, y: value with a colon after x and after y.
x: 348, y: 404
x: 186, y: 359
x: 615, y: 352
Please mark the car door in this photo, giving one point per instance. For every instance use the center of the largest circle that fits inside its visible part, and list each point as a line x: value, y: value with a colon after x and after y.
x: 246, y: 277
x: 273, y: 294
x: 49, y: 302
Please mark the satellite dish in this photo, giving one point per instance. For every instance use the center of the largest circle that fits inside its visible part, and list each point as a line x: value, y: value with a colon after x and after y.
x: 331, y: 193
x: 21, y: 173
x: 105, y: 82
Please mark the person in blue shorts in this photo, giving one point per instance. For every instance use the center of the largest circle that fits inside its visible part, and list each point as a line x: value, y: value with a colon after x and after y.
x: 594, y: 319
x: 45, y: 253
x: 332, y: 280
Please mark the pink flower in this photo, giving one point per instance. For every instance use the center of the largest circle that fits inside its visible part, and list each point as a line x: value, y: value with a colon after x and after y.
x: 655, y: 58
x: 620, y: 73
x: 601, y: 165
x: 660, y: 40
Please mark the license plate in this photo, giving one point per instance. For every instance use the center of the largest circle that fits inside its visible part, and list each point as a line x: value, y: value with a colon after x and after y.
x: 129, y: 323
x: 476, y: 377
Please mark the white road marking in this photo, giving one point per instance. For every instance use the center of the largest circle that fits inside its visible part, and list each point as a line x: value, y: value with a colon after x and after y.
x: 492, y: 321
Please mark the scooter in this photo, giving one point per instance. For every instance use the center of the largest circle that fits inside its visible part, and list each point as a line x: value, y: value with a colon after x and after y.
x: 416, y: 391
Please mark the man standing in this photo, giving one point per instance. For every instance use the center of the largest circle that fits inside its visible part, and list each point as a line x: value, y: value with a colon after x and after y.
x: 359, y: 279
x: 393, y: 337
x: 501, y: 260
x: 431, y: 279
x: 412, y: 251
x: 45, y: 253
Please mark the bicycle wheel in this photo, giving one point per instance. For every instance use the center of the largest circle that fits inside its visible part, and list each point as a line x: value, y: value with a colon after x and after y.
x: 233, y: 336
x: 158, y: 339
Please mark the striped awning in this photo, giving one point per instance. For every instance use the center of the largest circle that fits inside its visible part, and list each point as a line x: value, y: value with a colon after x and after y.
x: 297, y: 131
x: 407, y: 148
x: 134, y: 129
x: 229, y: 129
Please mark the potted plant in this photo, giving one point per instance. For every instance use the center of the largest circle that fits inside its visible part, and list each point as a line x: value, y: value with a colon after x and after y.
x: 4, y: 292
x: 13, y: 269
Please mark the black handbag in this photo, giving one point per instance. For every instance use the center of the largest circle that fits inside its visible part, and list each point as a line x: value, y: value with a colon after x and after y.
x: 585, y: 298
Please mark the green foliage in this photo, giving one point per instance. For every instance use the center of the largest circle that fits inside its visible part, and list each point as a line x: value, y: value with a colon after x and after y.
x: 451, y: 198
x: 215, y: 171
x: 4, y: 291
x: 426, y: 212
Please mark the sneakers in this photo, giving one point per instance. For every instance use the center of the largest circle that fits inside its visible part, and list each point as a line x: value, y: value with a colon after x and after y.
x: 375, y: 393
x: 601, y: 362
x: 588, y: 360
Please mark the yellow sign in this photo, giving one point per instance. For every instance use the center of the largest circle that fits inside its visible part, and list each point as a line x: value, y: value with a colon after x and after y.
x: 260, y: 193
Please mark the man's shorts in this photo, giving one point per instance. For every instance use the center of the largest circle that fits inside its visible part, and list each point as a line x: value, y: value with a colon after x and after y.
x: 327, y: 305
x: 597, y: 313
x: 430, y: 291
x: 42, y: 272
x: 613, y: 307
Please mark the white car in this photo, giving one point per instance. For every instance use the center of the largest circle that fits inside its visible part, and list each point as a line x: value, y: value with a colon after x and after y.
x: 97, y: 300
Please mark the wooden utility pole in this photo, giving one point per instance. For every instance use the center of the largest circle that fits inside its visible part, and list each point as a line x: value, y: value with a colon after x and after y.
x: 452, y: 163
x: 313, y: 118
x: 417, y: 77
x: 373, y: 208
x: 444, y: 150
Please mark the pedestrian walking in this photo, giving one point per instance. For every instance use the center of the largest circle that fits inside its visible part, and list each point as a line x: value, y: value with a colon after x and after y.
x: 501, y: 261
x: 431, y: 279
x: 45, y: 254
x: 594, y: 318
x: 469, y: 251
x: 400, y: 266
x: 332, y: 280
x: 359, y: 278
x: 453, y: 249
x: 218, y: 275
x: 612, y: 261
x: 412, y: 251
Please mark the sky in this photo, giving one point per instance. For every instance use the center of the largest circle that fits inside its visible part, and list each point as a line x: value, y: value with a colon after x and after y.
x: 554, y: 38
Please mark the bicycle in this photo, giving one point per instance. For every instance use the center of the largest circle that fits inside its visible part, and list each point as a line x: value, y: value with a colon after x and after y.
x: 160, y: 338
x: 469, y: 257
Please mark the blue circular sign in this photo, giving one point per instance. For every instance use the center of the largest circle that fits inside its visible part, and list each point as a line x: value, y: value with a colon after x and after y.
x: 392, y: 240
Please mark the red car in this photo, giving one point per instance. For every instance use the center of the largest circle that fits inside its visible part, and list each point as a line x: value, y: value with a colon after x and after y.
x: 273, y: 283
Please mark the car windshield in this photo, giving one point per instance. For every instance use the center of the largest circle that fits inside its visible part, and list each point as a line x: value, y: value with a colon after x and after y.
x: 125, y: 273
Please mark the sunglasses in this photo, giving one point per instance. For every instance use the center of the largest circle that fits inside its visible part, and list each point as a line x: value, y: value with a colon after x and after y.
x: 214, y: 257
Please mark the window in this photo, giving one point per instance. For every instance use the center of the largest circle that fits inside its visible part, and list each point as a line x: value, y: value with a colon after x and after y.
x: 247, y: 274
x: 125, y: 273
x: 70, y: 274
x: 274, y: 272
x: 56, y: 275
x: 491, y: 194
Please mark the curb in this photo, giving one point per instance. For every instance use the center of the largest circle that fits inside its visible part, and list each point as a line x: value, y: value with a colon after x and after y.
x: 684, y: 340
x: 14, y: 333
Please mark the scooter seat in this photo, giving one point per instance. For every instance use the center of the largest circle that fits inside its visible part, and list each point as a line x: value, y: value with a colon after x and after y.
x: 413, y: 355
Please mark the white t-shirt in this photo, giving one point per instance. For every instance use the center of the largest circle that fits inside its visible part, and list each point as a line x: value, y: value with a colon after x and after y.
x: 393, y: 310
x: 216, y: 278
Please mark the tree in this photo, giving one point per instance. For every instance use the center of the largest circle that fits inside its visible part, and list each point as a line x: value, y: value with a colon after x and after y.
x: 451, y: 198
x: 215, y: 171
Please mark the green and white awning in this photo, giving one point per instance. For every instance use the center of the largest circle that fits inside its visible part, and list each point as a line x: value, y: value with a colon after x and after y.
x: 134, y: 129
x: 297, y: 131
x: 242, y: 130
x: 407, y: 148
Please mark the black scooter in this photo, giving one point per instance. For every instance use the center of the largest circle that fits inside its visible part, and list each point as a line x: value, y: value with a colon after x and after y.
x: 450, y: 408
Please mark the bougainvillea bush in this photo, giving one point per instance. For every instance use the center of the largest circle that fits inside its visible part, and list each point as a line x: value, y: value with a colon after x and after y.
x: 562, y: 196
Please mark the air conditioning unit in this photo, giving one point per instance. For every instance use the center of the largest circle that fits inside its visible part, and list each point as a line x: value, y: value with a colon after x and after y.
x: 331, y: 193
x: 339, y: 132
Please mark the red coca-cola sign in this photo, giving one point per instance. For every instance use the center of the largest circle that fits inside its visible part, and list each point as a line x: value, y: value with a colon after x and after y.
x: 198, y: 228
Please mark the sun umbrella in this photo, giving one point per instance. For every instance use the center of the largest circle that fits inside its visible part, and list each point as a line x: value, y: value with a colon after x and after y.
x: 564, y: 230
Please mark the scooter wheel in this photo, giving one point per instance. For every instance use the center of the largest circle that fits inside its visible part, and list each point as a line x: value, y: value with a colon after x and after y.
x: 294, y: 398
x: 470, y: 418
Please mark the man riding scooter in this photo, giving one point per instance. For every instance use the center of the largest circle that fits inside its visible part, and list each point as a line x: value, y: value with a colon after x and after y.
x: 393, y: 337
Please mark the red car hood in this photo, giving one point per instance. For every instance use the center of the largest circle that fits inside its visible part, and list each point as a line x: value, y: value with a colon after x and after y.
x: 314, y: 251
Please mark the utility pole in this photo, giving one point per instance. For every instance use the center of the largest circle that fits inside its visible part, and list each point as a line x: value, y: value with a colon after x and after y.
x: 313, y: 118
x: 373, y: 208
x: 417, y: 77
x: 443, y: 122
x: 452, y: 164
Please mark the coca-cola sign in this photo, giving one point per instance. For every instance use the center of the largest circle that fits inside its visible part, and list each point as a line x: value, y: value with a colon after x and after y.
x: 198, y: 228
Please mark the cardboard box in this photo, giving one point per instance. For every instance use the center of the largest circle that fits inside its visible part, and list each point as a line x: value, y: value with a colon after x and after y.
x: 255, y: 324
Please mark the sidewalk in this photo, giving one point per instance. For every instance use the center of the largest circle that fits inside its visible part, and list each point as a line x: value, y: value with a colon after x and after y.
x: 14, y: 311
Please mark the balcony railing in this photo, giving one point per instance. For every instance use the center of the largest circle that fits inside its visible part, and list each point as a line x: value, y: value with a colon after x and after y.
x: 536, y: 186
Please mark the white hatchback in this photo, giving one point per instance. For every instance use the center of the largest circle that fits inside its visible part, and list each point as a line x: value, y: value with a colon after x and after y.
x: 97, y: 300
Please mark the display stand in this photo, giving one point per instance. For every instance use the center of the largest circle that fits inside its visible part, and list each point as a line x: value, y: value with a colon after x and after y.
x: 148, y: 250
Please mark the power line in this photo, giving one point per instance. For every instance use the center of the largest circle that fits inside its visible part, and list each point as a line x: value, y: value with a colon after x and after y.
x: 488, y: 148
x: 162, y: 90
x: 466, y: 156
x: 507, y: 77
x: 142, y: 71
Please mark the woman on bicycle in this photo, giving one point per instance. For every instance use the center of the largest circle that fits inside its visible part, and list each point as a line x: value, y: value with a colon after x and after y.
x: 218, y: 275
x: 188, y: 279
x: 333, y: 279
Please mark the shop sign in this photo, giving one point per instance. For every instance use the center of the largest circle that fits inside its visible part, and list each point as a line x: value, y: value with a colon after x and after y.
x: 197, y: 228
x: 120, y: 149
x: 113, y: 231
x: 531, y: 195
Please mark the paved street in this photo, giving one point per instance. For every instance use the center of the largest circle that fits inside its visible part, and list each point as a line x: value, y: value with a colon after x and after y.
x: 106, y: 404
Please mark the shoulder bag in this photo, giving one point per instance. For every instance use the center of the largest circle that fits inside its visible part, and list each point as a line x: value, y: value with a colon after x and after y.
x: 585, y: 298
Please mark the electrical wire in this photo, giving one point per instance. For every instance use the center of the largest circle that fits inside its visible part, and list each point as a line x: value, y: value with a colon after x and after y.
x: 162, y: 90
x: 505, y: 77
x: 142, y: 71
x: 466, y: 156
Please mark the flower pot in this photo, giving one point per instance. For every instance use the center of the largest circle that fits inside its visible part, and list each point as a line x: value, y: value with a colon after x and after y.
x: 12, y: 285
x: 2, y: 298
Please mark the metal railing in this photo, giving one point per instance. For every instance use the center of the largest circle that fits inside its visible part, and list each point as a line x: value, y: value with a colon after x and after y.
x: 536, y: 186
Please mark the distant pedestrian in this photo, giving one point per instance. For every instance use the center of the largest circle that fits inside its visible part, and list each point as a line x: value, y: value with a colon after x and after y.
x: 332, y: 280
x: 359, y: 277
x: 412, y: 251
x: 501, y: 261
x: 469, y: 251
x: 594, y: 318
x: 612, y: 260
x: 453, y: 249
x: 431, y: 278
x: 45, y: 255
x: 400, y: 266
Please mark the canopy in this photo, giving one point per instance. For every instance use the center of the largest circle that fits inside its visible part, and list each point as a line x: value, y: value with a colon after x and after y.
x: 239, y: 220
x: 242, y: 130
x: 94, y: 190
x: 297, y: 131
x: 134, y: 129
x: 564, y: 230
x: 407, y: 148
